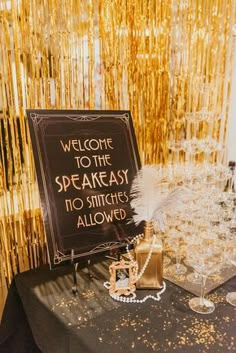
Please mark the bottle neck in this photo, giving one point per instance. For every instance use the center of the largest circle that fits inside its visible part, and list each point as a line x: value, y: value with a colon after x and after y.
x: 148, y: 230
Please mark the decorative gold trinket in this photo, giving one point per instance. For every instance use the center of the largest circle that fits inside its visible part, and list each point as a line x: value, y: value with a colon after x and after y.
x: 122, y: 281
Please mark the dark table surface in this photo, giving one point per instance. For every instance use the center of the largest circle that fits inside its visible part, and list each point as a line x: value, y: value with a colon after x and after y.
x: 42, y: 315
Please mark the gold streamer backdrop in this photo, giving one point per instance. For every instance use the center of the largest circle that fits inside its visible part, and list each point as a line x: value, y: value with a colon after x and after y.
x: 152, y: 57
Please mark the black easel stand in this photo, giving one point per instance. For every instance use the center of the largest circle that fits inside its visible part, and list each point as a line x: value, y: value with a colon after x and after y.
x: 74, y: 269
x: 88, y: 269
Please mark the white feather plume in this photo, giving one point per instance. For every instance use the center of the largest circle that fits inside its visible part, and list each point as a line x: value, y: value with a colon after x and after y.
x: 148, y: 199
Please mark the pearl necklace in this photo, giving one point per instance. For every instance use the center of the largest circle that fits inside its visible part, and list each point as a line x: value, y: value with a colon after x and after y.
x: 133, y: 262
x: 133, y: 299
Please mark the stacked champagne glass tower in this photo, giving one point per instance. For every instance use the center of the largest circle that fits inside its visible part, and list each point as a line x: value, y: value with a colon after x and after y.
x: 200, y: 240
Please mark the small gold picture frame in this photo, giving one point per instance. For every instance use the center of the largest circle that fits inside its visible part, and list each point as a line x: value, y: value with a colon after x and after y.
x: 122, y: 280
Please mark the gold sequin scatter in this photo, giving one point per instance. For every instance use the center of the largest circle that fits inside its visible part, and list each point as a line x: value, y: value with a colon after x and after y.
x: 217, y: 278
x: 140, y: 328
x: 175, y: 277
x: 217, y: 297
x: 160, y: 331
x: 83, y: 308
x: 201, y: 332
x: 72, y: 308
x: 226, y: 318
x: 88, y: 294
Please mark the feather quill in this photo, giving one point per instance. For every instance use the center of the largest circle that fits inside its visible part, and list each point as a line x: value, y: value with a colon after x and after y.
x: 148, y: 199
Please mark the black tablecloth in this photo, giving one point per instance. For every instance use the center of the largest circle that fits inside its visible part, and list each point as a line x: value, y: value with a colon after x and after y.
x: 41, y: 314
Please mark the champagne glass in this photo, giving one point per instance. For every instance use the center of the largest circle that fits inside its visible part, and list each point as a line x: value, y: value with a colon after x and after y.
x: 206, y: 259
x: 194, y: 276
x: 176, y: 147
x: 191, y: 148
x: 175, y: 242
x: 209, y: 145
x: 231, y: 296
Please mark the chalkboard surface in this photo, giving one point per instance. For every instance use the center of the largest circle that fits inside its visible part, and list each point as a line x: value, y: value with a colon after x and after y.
x: 85, y: 163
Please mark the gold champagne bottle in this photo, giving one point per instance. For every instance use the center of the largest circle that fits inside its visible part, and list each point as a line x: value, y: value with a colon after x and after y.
x: 152, y: 277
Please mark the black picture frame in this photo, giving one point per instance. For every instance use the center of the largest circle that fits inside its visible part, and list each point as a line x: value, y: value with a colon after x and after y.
x: 84, y: 198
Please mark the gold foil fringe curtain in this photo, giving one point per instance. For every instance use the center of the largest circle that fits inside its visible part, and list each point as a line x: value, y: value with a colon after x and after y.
x: 153, y: 57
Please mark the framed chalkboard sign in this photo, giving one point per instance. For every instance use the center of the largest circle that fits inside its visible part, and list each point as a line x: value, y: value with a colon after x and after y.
x: 85, y: 163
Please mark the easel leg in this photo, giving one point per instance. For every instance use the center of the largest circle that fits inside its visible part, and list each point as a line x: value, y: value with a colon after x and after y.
x: 74, y: 271
x: 74, y: 287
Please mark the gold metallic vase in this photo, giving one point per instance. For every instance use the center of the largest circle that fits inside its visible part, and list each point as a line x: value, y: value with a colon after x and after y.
x: 152, y: 277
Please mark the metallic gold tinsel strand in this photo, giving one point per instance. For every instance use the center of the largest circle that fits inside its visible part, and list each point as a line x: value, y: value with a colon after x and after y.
x: 156, y: 58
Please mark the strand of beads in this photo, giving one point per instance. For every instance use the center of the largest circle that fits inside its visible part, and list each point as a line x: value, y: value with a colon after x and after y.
x: 132, y: 260
x: 133, y: 299
x: 107, y: 285
x: 138, y: 276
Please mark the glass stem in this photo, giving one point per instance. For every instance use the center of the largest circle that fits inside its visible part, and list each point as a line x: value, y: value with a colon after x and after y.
x: 195, y: 275
x: 195, y: 129
x: 177, y: 156
x: 177, y: 258
x: 203, y: 285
